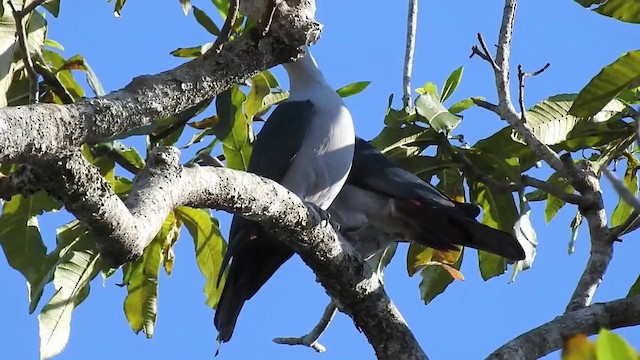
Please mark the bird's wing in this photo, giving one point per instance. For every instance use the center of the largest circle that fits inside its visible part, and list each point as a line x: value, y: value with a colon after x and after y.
x: 375, y: 172
x: 257, y: 254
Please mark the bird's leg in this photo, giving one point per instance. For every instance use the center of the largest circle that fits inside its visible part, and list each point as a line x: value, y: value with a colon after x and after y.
x: 321, y: 216
x: 311, y: 339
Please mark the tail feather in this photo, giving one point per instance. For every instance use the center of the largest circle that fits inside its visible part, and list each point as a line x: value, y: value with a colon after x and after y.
x: 250, y: 268
x: 442, y: 227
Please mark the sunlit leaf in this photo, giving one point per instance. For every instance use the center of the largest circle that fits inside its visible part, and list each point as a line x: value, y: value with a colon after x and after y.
x: 622, y: 74
x: 551, y: 122
x: 259, y: 89
x: 578, y: 347
x: 235, y: 144
x: 624, y: 10
x: 186, y: 6
x: 435, y: 113
x: 209, y: 246
x: 71, y: 281
x: 418, y: 257
x: 461, y: 106
x: 623, y: 210
x: 610, y: 346
x: 435, y: 279
x: 428, y: 88
x: 451, y: 84
x: 353, y: 88
x: 554, y: 204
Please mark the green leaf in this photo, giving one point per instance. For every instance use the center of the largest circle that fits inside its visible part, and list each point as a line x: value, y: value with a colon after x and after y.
x: 418, y: 257
x: 425, y: 166
x: 635, y: 288
x: 192, y: 52
x: 499, y: 210
x: 620, y: 75
x: 78, y: 62
x: 80, y: 264
x: 623, y: 10
x: 141, y: 303
x: 203, y: 19
x: 272, y: 99
x: 52, y: 6
x: 222, y: 6
x: 54, y: 44
x: 461, y: 106
x: 451, y: 84
x: 353, y: 88
x: 209, y: 246
x: 391, y: 138
x: 428, y: 88
x: 382, y: 258
x: 435, y: 279
x: 435, y: 113
x: 610, y: 346
x: 574, y: 226
x: 7, y: 48
x: 235, y: 144
x: 259, y: 89
x: 551, y: 122
x: 21, y: 240
x: 623, y: 210
x: 554, y: 204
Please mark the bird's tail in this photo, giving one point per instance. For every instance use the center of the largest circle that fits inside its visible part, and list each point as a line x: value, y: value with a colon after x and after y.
x: 439, y: 227
x: 252, y: 265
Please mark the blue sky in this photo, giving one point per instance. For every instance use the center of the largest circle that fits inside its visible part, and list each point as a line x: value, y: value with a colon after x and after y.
x: 362, y: 40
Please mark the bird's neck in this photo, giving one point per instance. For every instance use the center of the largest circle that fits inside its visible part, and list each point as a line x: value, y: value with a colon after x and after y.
x: 305, y: 78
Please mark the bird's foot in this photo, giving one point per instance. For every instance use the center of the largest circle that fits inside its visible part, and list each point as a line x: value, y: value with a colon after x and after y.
x: 320, y: 216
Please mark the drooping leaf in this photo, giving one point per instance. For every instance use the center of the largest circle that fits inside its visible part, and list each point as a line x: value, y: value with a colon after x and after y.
x: 551, y: 122
x: 554, y: 204
x: 578, y: 347
x: 383, y: 258
x: 575, y: 226
x: 52, y: 6
x: 235, y: 145
x: 119, y: 4
x: 418, y: 257
x: 623, y: 10
x: 21, y: 240
x: 623, y: 210
x: 435, y: 279
x: 260, y: 88
x: 526, y: 236
x: 203, y: 19
x: 436, y: 114
x: 209, y: 246
x: 451, y: 84
x: 610, y: 346
x: 141, y: 303
x: 353, y: 88
x: 73, y: 273
x: 78, y: 62
x: 611, y: 80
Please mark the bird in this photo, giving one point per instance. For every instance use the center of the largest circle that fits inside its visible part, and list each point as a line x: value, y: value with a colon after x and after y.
x: 382, y: 203
x: 306, y: 145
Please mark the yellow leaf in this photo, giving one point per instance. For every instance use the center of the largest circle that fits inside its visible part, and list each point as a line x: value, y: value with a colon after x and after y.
x: 418, y: 256
x: 578, y: 347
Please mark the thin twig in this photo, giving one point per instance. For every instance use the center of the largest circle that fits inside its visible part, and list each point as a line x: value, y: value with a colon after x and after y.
x: 234, y: 5
x: 622, y: 190
x: 26, y: 56
x: 30, y: 7
x: 412, y: 23
x: 484, y: 52
x: 267, y: 18
x: 311, y: 339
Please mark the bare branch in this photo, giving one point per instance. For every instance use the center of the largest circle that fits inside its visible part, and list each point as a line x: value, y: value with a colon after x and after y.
x: 45, y: 128
x: 311, y: 339
x: 547, y: 338
x: 412, y: 24
x: 485, y: 54
x: 621, y: 189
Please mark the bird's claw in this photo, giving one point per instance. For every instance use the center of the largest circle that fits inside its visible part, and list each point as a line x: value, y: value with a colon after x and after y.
x: 320, y: 215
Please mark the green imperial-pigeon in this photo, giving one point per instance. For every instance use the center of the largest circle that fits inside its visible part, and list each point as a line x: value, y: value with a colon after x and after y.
x: 382, y: 203
x: 307, y: 146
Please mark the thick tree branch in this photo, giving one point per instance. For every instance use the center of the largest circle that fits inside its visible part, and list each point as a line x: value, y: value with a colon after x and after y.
x: 549, y: 337
x: 27, y: 132
x: 123, y: 230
